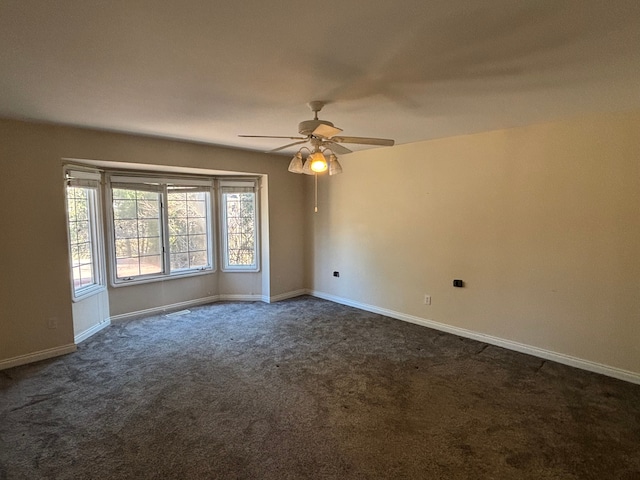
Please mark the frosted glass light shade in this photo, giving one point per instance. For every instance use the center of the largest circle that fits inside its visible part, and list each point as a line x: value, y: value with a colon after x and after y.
x: 296, y: 163
x: 334, y: 165
x: 306, y: 168
x: 318, y: 162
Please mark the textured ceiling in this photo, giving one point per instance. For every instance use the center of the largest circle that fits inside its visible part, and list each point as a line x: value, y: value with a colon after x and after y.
x: 408, y: 70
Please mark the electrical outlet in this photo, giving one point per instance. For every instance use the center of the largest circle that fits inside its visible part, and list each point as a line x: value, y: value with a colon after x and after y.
x: 427, y: 299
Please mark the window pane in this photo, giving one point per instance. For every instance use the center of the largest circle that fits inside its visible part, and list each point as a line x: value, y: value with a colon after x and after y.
x: 148, y: 207
x: 197, y: 225
x: 150, y: 246
x: 86, y: 275
x: 234, y: 241
x: 189, y: 229
x: 247, y: 242
x: 178, y: 226
x: 198, y: 259
x: 126, y: 228
x: 137, y: 229
x: 197, y: 207
x: 240, y: 229
x: 150, y: 264
x: 124, y: 209
x: 197, y: 242
x: 179, y: 261
x: 123, y: 193
x: 81, y: 232
x: 127, y: 248
x: 75, y: 257
x: 179, y: 244
x: 84, y: 253
x: 149, y: 227
x: 176, y: 204
x: 144, y: 195
x: 127, y: 267
x: 81, y: 220
x: 81, y: 205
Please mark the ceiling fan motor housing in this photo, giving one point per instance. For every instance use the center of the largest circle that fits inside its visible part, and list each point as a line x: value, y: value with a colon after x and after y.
x: 308, y: 126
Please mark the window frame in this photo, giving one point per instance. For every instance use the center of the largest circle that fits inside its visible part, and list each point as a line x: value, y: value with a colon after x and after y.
x: 161, y: 184
x: 228, y: 185
x: 209, y: 230
x: 90, y: 180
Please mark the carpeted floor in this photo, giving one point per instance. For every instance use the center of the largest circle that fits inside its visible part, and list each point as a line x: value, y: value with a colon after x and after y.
x: 306, y: 388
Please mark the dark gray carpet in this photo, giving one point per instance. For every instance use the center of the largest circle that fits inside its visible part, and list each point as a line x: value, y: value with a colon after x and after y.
x: 306, y: 388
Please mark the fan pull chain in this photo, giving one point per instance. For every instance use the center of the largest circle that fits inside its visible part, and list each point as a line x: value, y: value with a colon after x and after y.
x: 316, y: 194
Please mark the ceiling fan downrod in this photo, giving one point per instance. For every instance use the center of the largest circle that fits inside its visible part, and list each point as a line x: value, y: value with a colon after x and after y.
x: 316, y: 106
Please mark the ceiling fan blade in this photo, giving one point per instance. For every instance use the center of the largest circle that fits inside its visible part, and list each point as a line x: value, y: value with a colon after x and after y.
x: 271, y: 136
x: 384, y: 142
x: 286, y: 146
x: 326, y: 131
x: 337, y: 148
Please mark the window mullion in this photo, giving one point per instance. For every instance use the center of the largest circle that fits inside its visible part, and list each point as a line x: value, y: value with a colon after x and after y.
x: 213, y: 216
x: 165, y: 233
x: 93, y: 225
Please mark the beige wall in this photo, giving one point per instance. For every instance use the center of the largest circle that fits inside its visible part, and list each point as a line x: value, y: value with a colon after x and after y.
x: 34, y: 284
x: 542, y: 223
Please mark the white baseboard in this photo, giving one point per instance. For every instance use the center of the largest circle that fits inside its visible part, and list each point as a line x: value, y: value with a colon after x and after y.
x: 164, y: 308
x: 588, y: 365
x: 37, y: 356
x: 91, y: 331
x: 287, y: 295
x: 189, y: 303
x: 240, y: 298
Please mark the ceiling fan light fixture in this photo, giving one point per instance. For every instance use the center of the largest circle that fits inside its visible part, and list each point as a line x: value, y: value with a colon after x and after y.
x: 296, y: 163
x: 306, y: 168
x: 323, y: 137
x: 318, y: 162
x: 334, y: 165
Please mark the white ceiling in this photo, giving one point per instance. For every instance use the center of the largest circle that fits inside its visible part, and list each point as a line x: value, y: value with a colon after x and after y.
x: 410, y: 70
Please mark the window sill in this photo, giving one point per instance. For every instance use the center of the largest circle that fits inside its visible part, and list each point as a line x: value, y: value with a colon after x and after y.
x: 240, y: 270
x: 159, y: 278
x: 90, y: 292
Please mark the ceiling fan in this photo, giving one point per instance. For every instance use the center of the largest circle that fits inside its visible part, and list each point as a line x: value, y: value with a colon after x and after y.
x: 323, y: 136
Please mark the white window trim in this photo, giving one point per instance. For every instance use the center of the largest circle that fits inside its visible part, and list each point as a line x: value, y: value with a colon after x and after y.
x: 238, y: 183
x: 160, y: 184
x: 88, y: 179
